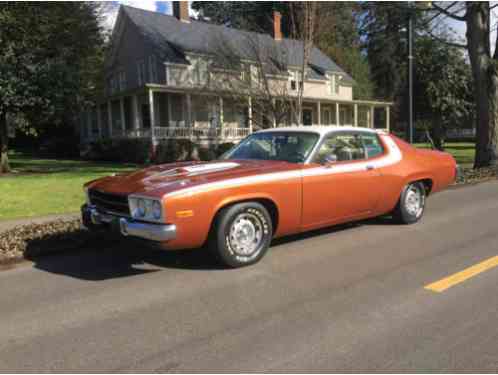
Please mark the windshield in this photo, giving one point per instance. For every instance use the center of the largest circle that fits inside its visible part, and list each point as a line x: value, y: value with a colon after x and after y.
x: 294, y: 147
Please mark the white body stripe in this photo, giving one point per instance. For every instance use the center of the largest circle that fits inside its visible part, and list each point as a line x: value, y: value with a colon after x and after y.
x: 392, y: 157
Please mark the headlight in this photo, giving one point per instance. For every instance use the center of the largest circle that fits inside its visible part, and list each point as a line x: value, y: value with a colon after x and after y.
x: 156, y: 210
x: 141, y: 208
x: 147, y: 209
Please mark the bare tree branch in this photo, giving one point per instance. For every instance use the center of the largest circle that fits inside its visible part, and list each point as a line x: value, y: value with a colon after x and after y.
x: 446, y: 11
x: 447, y: 42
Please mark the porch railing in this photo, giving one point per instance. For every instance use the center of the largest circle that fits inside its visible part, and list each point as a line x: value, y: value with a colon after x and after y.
x: 200, y: 133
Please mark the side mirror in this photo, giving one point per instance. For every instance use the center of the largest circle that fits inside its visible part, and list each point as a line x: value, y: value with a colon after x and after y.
x: 329, y: 159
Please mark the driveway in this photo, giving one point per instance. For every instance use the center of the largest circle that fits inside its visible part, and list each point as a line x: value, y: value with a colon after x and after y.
x: 355, y: 298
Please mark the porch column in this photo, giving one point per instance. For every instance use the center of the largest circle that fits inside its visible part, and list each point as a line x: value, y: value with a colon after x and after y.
x: 318, y: 105
x: 109, y: 117
x: 337, y: 114
x: 249, y: 113
x: 99, y: 120
x: 188, y: 117
x: 388, y: 120
x: 122, y: 114
x: 152, y: 118
x: 136, y: 113
x: 372, y: 116
x: 356, y: 115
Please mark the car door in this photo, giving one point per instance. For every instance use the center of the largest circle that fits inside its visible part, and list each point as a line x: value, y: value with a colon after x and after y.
x: 340, y: 183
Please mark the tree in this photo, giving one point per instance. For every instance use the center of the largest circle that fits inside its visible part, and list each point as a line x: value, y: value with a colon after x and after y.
x: 304, y: 25
x: 49, y: 59
x: 477, y: 18
x: 338, y: 36
x: 442, y: 86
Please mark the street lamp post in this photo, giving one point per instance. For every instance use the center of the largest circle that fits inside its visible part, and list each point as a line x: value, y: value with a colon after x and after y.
x: 410, y: 74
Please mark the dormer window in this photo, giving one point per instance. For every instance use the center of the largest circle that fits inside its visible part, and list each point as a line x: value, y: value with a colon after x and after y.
x: 294, y: 79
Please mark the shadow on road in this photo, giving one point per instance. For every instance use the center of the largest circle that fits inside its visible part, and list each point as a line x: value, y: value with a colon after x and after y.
x: 115, y: 258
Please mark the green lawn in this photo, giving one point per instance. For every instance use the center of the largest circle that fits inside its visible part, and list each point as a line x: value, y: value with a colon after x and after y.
x: 46, y: 186
x: 462, y: 152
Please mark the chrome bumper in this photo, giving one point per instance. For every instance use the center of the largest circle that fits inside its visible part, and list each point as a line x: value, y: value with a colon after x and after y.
x: 129, y: 227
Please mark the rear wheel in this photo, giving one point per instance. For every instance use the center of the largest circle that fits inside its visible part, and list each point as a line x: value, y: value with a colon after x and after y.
x: 242, y: 234
x: 411, y: 205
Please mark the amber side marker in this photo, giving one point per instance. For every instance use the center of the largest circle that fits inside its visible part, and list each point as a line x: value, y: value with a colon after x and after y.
x: 186, y: 213
x: 459, y: 277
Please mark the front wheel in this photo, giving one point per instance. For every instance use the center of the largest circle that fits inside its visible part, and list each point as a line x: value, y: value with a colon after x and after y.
x: 411, y: 204
x: 242, y: 234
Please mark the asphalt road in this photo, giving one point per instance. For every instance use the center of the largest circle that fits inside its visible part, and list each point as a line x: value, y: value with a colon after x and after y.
x: 347, y: 299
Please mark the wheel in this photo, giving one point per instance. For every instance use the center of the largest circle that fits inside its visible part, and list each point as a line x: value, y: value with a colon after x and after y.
x: 411, y: 204
x: 241, y: 234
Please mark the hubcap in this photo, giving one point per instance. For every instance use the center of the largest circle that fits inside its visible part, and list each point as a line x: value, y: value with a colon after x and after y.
x: 414, y: 202
x: 246, y: 234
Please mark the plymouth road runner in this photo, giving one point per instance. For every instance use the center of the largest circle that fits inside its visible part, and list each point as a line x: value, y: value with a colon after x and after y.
x: 274, y: 183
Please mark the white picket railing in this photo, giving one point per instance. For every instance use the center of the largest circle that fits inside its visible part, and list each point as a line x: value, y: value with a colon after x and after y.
x: 192, y: 133
x: 200, y: 133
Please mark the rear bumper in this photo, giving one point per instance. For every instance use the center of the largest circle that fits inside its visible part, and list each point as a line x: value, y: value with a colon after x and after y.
x: 94, y: 220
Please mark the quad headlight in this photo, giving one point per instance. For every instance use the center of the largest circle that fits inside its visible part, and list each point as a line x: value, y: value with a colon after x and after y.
x: 146, y: 209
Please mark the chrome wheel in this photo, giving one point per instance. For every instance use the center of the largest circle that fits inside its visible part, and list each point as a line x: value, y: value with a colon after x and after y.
x: 246, y: 234
x: 414, y: 201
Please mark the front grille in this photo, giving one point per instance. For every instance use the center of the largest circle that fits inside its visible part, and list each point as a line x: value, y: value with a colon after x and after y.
x: 108, y: 202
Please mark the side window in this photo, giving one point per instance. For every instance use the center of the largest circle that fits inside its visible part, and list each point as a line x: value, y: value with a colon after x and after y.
x: 340, y: 147
x: 372, y: 145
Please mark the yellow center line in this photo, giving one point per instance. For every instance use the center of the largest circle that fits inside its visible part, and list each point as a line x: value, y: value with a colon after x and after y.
x: 459, y: 277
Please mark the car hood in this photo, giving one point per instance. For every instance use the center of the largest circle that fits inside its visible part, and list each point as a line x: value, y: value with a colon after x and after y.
x: 163, y: 179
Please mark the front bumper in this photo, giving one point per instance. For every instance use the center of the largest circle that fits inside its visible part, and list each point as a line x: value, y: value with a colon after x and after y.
x: 94, y: 219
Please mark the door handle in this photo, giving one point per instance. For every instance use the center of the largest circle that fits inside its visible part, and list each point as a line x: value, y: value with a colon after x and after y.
x: 370, y: 167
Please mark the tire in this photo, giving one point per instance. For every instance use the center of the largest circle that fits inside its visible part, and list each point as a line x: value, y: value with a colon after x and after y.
x: 241, y: 234
x: 411, y: 204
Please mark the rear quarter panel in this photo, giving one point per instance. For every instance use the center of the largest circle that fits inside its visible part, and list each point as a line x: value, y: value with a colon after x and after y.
x: 415, y: 165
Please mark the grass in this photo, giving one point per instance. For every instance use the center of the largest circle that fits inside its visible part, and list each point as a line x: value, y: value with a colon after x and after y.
x: 46, y: 186
x: 462, y: 152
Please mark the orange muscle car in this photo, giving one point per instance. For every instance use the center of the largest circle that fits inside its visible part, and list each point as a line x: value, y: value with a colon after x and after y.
x: 274, y: 183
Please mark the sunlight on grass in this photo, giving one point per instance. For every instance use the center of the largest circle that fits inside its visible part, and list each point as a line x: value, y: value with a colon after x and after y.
x: 46, y: 186
x: 462, y: 152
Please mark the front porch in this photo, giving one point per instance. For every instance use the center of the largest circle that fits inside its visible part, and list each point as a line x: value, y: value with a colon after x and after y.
x: 160, y: 113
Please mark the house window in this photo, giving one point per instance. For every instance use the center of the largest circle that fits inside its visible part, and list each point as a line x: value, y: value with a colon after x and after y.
x: 177, y: 76
x: 153, y: 68
x: 122, y: 80
x: 295, y: 80
x: 334, y: 84
x: 141, y: 72
x: 199, y: 72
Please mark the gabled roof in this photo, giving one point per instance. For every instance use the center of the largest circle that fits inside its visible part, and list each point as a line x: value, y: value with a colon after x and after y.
x: 175, y: 38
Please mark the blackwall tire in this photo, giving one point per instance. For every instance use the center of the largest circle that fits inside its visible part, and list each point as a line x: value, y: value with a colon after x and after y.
x: 241, y: 234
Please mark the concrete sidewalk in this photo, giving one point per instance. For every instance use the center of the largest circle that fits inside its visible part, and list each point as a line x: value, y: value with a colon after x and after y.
x: 5, y: 225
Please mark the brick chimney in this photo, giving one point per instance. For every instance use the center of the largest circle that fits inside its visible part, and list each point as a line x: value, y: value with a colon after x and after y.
x: 180, y: 10
x: 277, y: 25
